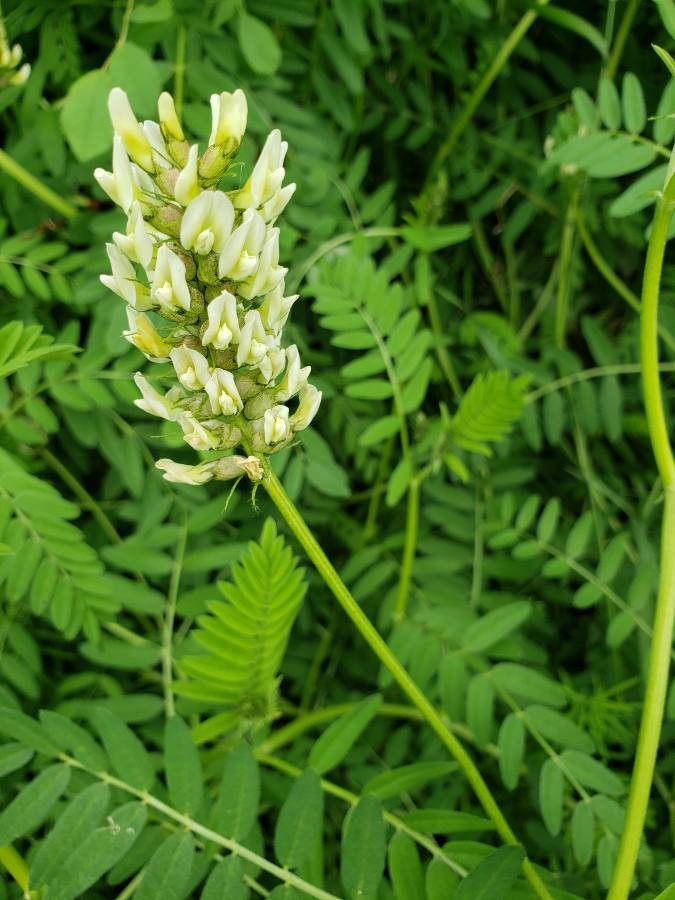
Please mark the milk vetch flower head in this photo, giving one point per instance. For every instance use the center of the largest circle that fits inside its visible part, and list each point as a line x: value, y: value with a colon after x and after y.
x: 199, y: 270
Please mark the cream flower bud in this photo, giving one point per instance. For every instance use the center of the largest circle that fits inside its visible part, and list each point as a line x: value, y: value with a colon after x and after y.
x: 118, y: 184
x: 123, y: 280
x: 253, y: 341
x: 223, y: 394
x: 197, y: 435
x: 169, y: 289
x: 308, y: 406
x: 145, y: 337
x: 156, y: 138
x: 207, y: 222
x: 271, y: 364
x: 275, y: 425
x: 191, y: 367
x: 295, y: 378
x: 136, y: 243
x: 130, y: 131
x: 153, y: 402
x: 21, y: 76
x: 267, y: 175
x: 228, y: 119
x: 275, y: 308
x: 168, y: 118
x: 269, y: 273
x: 187, y: 184
x: 229, y: 467
x: 182, y: 474
x: 278, y: 203
x: 239, y: 257
x: 223, y: 327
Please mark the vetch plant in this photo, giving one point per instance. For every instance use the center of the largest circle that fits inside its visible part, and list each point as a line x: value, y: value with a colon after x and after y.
x: 199, y: 270
x: 206, y: 261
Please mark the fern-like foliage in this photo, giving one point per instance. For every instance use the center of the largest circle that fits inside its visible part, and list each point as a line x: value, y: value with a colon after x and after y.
x: 23, y: 344
x: 488, y: 411
x: 45, y: 559
x: 244, y: 636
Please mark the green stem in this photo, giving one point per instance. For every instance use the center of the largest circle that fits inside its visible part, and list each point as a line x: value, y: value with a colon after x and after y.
x: 481, y: 89
x: 444, y: 360
x: 566, y: 248
x: 169, y: 618
x: 613, y: 279
x: 409, y: 548
x: 23, y: 177
x: 380, y: 648
x: 179, y: 73
x: 664, y: 615
x: 621, y: 38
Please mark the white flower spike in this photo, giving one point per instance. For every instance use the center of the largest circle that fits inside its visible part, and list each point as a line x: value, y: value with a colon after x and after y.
x: 207, y: 263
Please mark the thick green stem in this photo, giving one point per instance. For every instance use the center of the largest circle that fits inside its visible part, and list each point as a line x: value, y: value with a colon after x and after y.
x: 28, y: 181
x: 481, y: 89
x: 380, y: 648
x: 659, y: 655
x: 169, y: 618
x: 409, y: 548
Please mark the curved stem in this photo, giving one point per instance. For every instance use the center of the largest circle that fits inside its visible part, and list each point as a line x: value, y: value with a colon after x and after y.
x: 380, y: 648
x: 28, y: 181
x: 409, y: 548
x: 481, y: 89
x: 664, y: 615
x: 621, y: 38
x: 566, y: 249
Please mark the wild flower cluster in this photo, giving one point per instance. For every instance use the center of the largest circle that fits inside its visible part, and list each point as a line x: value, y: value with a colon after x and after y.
x: 199, y: 269
x: 10, y: 57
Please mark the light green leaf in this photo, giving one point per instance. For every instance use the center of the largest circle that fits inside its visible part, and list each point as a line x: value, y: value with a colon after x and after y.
x: 183, y: 769
x: 226, y: 881
x: 495, y: 625
x: 551, y: 792
x: 84, y: 115
x: 405, y: 869
x: 633, y: 103
x: 127, y: 754
x: 77, y: 821
x: 494, y: 877
x: 592, y: 773
x: 511, y: 743
x: 432, y: 238
x: 300, y: 821
x: 341, y: 735
x: 237, y: 806
x: 445, y: 821
x: 99, y: 852
x: 258, y: 44
x: 583, y: 833
x: 168, y: 872
x: 32, y: 804
x: 407, y: 778
x: 363, y: 849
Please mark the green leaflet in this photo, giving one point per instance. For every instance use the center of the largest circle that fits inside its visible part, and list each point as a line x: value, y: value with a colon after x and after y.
x: 244, y: 637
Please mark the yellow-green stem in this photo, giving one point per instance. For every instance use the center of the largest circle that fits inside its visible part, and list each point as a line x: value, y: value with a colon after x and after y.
x: 621, y: 38
x: 380, y: 648
x: 28, y: 181
x: 481, y: 89
x: 15, y: 865
x: 169, y: 618
x: 659, y: 654
x: 409, y: 548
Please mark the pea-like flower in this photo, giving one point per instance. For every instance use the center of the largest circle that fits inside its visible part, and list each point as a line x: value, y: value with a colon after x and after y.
x: 206, y: 262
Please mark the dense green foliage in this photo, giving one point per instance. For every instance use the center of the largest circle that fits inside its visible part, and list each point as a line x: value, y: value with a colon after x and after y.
x: 185, y: 711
